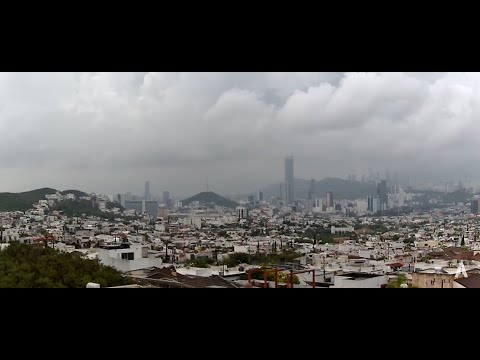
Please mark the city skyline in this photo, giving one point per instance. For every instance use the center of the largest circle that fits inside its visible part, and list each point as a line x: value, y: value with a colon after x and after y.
x: 99, y: 132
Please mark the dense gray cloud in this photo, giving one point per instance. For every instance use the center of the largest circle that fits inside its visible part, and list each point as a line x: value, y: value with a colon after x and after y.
x: 109, y: 132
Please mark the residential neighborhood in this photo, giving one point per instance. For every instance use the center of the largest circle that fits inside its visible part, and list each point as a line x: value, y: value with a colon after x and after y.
x: 263, y: 244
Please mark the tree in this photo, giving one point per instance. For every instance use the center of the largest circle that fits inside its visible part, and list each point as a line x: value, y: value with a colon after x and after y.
x: 1, y: 233
x: 146, y: 238
x: 27, y: 266
x: 46, y: 235
x: 166, y: 242
x: 398, y: 282
x: 462, y: 243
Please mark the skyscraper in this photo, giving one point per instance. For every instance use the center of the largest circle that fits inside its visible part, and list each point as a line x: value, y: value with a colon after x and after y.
x: 289, y: 181
x: 147, y: 190
x: 329, y: 200
x: 259, y: 196
x: 151, y: 208
x: 373, y: 204
x: 382, y: 194
x: 474, y: 206
x: 166, y: 197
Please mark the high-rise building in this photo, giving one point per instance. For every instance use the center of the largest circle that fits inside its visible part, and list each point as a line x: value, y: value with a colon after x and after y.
x: 474, y: 206
x: 166, y: 197
x: 382, y: 194
x: 151, y: 208
x: 373, y: 204
x: 309, y: 205
x: 121, y: 199
x: 311, y: 191
x: 329, y: 199
x: 289, y: 181
x: 369, y: 203
x: 259, y: 196
x: 147, y: 190
x: 241, y: 212
x: 136, y: 205
x: 250, y: 199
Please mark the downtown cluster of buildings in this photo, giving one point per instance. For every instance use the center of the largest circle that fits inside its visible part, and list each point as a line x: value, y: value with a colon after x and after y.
x: 146, y: 204
x: 390, y: 195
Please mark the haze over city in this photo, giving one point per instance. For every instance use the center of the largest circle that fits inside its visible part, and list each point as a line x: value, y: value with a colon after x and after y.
x: 109, y: 132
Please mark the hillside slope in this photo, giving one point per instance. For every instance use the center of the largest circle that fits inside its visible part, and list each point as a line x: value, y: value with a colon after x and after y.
x: 23, y: 201
x: 209, y: 197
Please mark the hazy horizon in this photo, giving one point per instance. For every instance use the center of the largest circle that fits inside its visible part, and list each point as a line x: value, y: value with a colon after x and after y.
x: 109, y: 132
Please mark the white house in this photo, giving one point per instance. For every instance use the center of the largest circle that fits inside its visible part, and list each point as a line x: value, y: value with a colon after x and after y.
x: 128, y: 257
x: 10, y: 235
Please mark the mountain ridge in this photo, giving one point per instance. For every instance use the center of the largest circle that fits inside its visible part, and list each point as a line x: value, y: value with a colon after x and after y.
x: 23, y: 201
x: 209, y: 197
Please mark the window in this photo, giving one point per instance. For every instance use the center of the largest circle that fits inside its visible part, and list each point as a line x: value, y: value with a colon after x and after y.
x: 127, y: 256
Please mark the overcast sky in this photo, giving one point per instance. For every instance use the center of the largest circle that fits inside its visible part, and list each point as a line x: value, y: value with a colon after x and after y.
x: 109, y: 132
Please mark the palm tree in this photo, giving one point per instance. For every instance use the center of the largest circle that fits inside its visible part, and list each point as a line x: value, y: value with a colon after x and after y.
x: 146, y: 238
x: 166, y: 242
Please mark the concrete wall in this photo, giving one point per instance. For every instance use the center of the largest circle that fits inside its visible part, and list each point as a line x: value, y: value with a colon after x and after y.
x: 432, y: 280
x: 240, y: 249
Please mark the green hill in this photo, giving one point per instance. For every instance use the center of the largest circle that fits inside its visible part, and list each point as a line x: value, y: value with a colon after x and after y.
x: 77, y: 193
x: 80, y: 207
x: 208, y: 198
x: 23, y: 201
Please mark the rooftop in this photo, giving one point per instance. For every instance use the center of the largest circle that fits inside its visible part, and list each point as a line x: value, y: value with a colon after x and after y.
x: 359, y: 276
x: 472, y: 281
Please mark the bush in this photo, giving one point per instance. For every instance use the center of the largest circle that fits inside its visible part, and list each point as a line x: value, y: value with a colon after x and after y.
x: 29, y: 266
